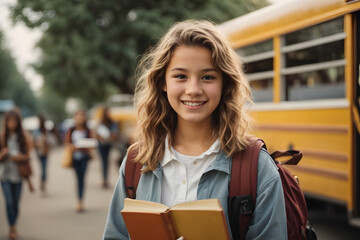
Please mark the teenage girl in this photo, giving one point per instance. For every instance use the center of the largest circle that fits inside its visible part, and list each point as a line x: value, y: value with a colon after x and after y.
x: 42, y: 148
x: 106, y: 133
x: 81, y: 156
x: 14, y: 149
x: 192, y: 116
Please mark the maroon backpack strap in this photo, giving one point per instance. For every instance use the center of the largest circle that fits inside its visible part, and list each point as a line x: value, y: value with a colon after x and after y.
x: 243, y: 184
x: 132, y: 174
x: 293, y: 156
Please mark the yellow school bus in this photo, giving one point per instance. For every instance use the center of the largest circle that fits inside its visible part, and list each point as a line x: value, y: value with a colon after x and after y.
x: 302, y: 60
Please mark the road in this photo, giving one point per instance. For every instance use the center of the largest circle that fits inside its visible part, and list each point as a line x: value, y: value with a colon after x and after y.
x: 53, y: 217
x: 330, y: 223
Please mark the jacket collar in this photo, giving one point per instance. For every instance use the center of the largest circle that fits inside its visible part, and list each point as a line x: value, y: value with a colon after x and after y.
x: 222, y: 163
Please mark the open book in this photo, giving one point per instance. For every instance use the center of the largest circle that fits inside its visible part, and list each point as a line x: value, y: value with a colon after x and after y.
x: 86, y: 143
x: 202, y: 219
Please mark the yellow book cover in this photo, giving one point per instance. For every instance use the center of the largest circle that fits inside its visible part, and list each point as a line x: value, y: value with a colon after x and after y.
x: 202, y: 219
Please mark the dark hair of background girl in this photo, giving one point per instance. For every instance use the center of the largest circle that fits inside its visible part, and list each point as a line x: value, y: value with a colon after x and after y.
x: 19, y: 131
x: 106, y: 120
x: 42, y: 123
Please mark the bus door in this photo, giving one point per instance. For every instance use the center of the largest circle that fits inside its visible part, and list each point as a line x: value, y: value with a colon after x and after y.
x: 356, y: 118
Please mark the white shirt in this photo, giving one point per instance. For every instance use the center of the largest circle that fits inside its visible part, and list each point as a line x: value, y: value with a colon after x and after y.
x: 181, y: 173
x: 76, y: 136
x: 8, y: 169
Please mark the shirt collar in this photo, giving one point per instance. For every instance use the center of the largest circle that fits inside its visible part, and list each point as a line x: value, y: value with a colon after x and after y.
x: 169, y: 154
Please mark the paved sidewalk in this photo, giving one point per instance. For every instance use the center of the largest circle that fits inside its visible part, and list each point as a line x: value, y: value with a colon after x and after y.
x: 53, y: 217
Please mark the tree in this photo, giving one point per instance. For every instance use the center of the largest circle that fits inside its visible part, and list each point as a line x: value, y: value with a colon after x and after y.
x: 52, y: 104
x: 89, y: 44
x: 6, y: 69
x: 13, y: 85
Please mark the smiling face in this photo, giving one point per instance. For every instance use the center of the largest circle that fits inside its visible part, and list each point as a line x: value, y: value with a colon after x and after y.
x: 193, y: 84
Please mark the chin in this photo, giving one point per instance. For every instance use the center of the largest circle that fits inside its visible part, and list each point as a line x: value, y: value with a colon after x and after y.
x: 194, y: 119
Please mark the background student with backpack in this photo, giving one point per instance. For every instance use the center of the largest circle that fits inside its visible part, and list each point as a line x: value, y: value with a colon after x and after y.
x: 43, y: 141
x: 80, y: 154
x: 106, y: 133
x: 191, y: 100
x: 14, y: 151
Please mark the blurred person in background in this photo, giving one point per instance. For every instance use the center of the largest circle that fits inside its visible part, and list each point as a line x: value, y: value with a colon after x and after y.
x: 43, y: 141
x: 106, y: 132
x: 55, y: 131
x: 14, y: 149
x: 80, y: 152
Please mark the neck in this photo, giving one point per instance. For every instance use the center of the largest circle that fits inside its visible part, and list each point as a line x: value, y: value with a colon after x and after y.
x: 79, y: 127
x: 192, y: 138
x: 11, y: 132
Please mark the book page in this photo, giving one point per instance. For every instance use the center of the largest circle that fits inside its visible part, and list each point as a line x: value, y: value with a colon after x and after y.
x: 132, y: 205
x: 86, y: 143
x: 205, y: 204
x: 202, y: 219
x: 200, y: 224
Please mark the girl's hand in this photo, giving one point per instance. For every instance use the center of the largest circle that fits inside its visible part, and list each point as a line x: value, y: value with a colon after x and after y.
x: 114, y: 136
x: 20, y: 158
x: 3, y: 153
x: 72, y: 147
x: 100, y: 139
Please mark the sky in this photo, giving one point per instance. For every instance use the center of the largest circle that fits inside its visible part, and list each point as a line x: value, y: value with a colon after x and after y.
x: 21, y: 41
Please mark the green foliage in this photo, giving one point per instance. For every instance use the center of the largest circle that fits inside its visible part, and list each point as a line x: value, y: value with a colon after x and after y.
x: 13, y: 85
x: 89, y: 44
x: 6, y: 69
x: 52, y: 105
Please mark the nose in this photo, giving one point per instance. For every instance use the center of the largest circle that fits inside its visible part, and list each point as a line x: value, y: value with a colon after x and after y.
x: 193, y: 87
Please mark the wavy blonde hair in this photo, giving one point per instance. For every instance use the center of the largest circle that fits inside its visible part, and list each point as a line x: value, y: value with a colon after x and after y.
x: 156, y: 117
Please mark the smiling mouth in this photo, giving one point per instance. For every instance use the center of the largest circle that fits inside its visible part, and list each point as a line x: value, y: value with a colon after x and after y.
x: 193, y: 104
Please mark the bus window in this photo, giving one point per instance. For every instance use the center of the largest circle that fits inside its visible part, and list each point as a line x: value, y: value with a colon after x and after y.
x: 321, y: 84
x: 322, y: 53
x: 318, y: 31
x: 262, y: 90
x: 257, y: 48
x: 313, y: 62
x: 258, y: 67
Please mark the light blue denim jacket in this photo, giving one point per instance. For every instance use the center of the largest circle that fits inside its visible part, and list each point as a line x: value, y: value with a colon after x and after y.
x: 267, y: 222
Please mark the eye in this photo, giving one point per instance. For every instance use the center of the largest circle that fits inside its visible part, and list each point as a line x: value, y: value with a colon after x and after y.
x: 208, y: 78
x: 180, y: 76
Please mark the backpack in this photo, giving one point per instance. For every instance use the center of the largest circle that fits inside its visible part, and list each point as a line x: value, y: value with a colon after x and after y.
x: 242, y: 190
x: 242, y: 195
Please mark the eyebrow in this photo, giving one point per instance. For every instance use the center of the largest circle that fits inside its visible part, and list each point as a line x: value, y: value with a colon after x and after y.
x: 203, y: 70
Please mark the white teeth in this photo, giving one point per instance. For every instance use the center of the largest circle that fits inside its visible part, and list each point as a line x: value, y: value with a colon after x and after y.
x: 194, y: 104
